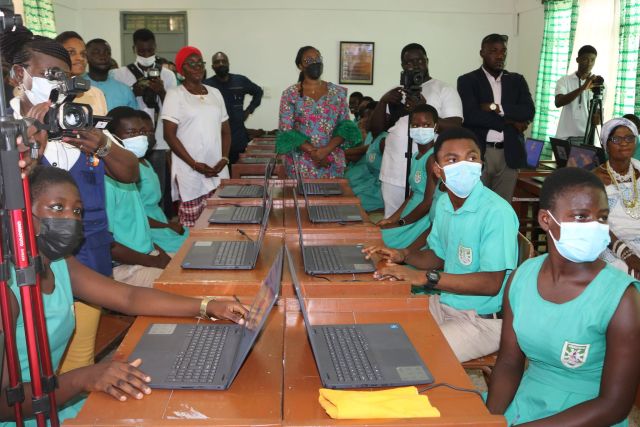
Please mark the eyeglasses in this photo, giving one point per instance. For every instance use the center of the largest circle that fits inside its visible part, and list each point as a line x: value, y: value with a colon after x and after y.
x: 629, y: 139
x: 194, y: 64
x: 309, y: 61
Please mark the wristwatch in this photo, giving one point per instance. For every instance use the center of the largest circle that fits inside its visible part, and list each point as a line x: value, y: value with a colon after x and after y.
x: 433, y: 277
x: 226, y: 159
x: 203, y: 308
x: 493, y: 106
x: 104, y: 150
x: 402, y: 221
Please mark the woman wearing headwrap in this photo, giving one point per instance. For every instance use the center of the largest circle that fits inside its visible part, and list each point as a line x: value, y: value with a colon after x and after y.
x: 620, y: 175
x: 196, y: 127
x: 314, y: 121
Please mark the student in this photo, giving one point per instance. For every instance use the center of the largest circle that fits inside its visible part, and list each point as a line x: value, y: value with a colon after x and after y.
x: 473, y: 246
x: 140, y: 260
x: 574, y: 318
x: 411, y: 221
x: 57, y: 210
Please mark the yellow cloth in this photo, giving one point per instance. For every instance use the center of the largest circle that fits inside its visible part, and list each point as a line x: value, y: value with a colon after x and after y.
x: 81, y: 350
x: 401, y: 402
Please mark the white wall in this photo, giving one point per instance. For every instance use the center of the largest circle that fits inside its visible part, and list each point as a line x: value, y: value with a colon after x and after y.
x: 262, y: 37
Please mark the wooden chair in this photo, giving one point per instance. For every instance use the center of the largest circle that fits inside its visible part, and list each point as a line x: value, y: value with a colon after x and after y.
x: 111, y: 330
x: 486, y: 363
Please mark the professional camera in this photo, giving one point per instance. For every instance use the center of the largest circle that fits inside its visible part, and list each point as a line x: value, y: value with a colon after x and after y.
x: 149, y: 97
x: 411, y: 81
x: 153, y: 73
x: 597, y: 86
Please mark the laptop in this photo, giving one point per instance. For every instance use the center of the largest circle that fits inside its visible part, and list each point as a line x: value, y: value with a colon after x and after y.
x: 205, y: 356
x: 533, y: 148
x: 561, y: 149
x: 248, y: 190
x: 356, y: 356
x: 256, y: 160
x: 328, y: 213
x: 584, y: 156
x: 227, y: 254
x: 315, y: 188
x: 331, y: 259
x: 240, y: 214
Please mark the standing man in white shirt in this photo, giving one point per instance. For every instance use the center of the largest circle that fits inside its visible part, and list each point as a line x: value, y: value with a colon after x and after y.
x: 150, y: 83
x: 391, y: 114
x: 573, y: 95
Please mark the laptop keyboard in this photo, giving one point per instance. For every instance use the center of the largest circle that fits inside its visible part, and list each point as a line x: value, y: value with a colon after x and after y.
x: 347, y: 348
x: 320, y: 189
x: 231, y: 253
x: 244, y: 213
x: 325, y: 258
x: 199, y: 362
x: 250, y: 191
x: 325, y: 212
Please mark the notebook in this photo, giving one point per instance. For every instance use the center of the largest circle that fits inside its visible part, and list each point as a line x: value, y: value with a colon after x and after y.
x: 331, y: 259
x: 328, y: 213
x: 248, y: 190
x: 533, y: 148
x: 227, y: 254
x: 369, y: 355
x: 240, y: 214
x: 205, y: 356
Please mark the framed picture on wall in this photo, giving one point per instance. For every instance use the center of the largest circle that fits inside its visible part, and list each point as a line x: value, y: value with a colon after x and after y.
x: 356, y: 63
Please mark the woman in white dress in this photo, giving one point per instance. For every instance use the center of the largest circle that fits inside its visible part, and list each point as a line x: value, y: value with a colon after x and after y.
x: 620, y: 175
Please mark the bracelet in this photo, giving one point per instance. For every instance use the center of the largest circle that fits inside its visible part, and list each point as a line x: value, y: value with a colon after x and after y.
x: 620, y: 249
x: 225, y: 158
x: 626, y: 254
x: 203, y: 309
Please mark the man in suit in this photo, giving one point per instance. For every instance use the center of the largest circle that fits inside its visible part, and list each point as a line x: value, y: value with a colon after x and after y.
x: 497, y: 106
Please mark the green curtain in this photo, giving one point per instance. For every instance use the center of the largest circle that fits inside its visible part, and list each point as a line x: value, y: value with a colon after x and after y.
x: 39, y: 18
x: 627, y: 97
x: 560, y: 22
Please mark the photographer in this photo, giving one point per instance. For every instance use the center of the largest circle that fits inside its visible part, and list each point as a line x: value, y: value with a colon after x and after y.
x: 391, y: 113
x: 574, y: 93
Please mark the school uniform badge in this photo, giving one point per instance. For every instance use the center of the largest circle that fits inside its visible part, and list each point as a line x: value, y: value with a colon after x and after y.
x: 574, y: 355
x: 372, y: 157
x: 418, y: 177
x: 465, y: 255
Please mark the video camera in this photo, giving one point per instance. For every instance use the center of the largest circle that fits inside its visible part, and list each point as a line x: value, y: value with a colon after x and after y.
x: 64, y: 115
x: 597, y: 87
x: 411, y: 81
x: 149, y: 97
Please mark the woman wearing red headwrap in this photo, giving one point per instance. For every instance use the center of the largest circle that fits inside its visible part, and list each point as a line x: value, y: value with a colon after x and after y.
x: 196, y: 127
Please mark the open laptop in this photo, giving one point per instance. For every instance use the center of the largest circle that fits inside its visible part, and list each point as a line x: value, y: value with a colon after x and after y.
x: 561, y: 149
x: 369, y: 355
x: 331, y: 259
x: 227, y: 254
x: 533, y: 148
x: 584, y: 156
x: 315, y: 188
x: 240, y: 214
x: 205, y: 356
x: 248, y: 190
x: 329, y: 213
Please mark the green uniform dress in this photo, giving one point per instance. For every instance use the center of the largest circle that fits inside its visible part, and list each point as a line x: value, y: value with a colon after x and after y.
x: 564, y: 343
x: 60, y: 319
x: 149, y: 188
x: 636, y: 153
x: 368, y: 187
x: 482, y: 235
x: 127, y: 219
x: 402, y: 236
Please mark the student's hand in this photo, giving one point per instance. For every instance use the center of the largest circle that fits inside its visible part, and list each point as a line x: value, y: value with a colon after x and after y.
x: 633, y: 262
x: 387, y: 254
x: 227, y: 310
x: 400, y: 272
x: 88, y: 141
x: 162, y: 259
x: 120, y: 380
x: 394, y: 96
x: 176, y: 226
x: 217, y: 168
x: 204, y: 169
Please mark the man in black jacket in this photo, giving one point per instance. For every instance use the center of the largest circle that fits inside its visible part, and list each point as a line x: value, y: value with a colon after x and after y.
x: 497, y: 106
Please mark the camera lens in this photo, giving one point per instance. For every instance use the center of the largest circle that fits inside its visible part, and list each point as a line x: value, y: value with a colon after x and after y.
x: 73, y: 117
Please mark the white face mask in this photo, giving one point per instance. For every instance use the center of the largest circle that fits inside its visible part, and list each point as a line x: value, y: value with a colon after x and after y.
x: 137, y: 145
x: 40, y: 89
x: 146, y: 62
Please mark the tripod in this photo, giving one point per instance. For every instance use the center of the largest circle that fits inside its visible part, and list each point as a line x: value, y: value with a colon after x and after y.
x: 18, y: 250
x: 595, y: 106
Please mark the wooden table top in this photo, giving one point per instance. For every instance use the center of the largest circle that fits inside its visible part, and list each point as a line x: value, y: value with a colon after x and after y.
x: 254, y: 397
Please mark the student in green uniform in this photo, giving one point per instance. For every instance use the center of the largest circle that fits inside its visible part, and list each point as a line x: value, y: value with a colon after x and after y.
x: 57, y: 212
x: 411, y: 222
x: 575, y: 318
x: 473, y: 247
x: 364, y: 175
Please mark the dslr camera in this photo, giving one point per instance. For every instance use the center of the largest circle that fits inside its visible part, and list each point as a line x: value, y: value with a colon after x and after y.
x: 149, y: 96
x: 65, y: 115
x: 598, y: 86
x: 411, y: 81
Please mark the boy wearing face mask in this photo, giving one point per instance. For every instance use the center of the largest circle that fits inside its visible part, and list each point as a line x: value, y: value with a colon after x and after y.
x: 412, y: 219
x: 473, y: 247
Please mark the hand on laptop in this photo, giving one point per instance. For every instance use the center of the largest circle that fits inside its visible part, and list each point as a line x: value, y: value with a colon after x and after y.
x: 400, y: 272
x: 387, y: 254
x: 227, y: 310
x: 121, y: 380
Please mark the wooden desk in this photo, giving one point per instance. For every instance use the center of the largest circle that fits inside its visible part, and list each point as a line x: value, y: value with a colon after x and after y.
x: 275, y: 224
x: 260, y: 149
x: 240, y: 170
x: 257, y: 152
x: 254, y: 398
x: 301, y: 407
x: 177, y: 280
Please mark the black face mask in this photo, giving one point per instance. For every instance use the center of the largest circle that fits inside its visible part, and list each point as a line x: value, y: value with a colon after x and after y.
x: 59, y: 237
x: 314, y: 71
x: 222, y: 71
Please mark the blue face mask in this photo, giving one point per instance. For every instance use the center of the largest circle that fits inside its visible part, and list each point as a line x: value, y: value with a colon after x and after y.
x: 137, y: 145
x: 462, y: 177
x: 581, y: 241
x: 422, y: 136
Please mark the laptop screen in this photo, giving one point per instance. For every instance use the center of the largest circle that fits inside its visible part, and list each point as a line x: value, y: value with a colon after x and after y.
x: 300, y: 183
x: 583, y: 157
x: 298, y: 291
x: 533, y: 148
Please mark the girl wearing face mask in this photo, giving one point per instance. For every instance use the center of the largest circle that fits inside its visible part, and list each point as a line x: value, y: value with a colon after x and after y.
x: 411, y: 222
x: 314, y: 121
x: 57, y: 210
x: 572, y: 316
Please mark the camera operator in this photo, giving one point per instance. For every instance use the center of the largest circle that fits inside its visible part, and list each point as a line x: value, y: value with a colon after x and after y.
x: 574, y: 93
x: 392, y: 113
